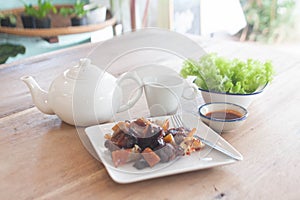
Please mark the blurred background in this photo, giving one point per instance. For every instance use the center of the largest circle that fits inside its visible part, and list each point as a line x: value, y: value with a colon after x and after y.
x: 263, y: 22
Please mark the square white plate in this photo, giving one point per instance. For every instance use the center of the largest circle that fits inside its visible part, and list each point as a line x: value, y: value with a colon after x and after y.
x: 205, y: 158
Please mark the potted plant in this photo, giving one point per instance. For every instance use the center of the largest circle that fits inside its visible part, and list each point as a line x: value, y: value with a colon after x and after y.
x: 42, y: 19
x: 27, y: 16
x: 77, y: 13
x: 9, y: 20
x: 40, y: 14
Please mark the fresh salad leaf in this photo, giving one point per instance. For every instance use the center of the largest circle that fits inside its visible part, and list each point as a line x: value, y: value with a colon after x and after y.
x: 220, y: 74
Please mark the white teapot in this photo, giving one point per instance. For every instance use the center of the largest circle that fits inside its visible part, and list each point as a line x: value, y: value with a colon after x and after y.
x: 83, y: 95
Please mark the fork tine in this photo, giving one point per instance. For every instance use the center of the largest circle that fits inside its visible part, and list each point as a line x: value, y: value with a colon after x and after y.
x: 174, y: 121
x: 177, y: 121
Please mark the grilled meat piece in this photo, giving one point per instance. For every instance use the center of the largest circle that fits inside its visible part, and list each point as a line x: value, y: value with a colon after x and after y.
x: 122, y: 137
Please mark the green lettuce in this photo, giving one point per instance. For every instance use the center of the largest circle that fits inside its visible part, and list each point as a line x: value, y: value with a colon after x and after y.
x: 220, y: 74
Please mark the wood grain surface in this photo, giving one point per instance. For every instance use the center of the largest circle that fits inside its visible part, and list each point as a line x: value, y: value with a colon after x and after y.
x: 44, y: 158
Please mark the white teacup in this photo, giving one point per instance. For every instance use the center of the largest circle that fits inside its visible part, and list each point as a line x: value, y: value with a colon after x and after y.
x: 163, y: 93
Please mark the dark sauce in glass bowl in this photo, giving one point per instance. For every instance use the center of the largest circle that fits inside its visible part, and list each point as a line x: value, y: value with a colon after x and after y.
x: 224, y: 114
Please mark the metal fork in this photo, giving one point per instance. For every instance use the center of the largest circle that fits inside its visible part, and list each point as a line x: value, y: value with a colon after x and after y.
x: 177, y: 121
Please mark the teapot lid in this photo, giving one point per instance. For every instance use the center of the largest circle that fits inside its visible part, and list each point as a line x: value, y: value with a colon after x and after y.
x: 84, y: 70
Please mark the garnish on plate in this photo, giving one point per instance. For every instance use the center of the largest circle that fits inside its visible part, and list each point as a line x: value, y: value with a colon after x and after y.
x: 220, y: 74
x: 147, y: 143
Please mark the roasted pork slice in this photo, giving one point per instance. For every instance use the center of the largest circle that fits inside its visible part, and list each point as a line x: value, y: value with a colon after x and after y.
x: 121, y: 126
x: 123, y: 156
x: 178, y: 133
x: 123, y: 140
x: 166, y: 153
x: 147, y: 134
x: 151, y: 157
x: 141, y: 164
x: 111, y: 146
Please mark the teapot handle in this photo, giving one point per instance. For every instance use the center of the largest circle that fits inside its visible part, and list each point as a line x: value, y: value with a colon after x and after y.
x: 133, y: 76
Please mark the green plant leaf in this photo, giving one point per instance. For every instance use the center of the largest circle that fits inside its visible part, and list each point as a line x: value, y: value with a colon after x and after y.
x: 220, y: 74
x: 10, y: 50
x: 43, y: 9
x: 76, y: 11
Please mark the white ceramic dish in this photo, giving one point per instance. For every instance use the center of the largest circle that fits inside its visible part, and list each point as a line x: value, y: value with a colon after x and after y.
x: 222, y: 125
x: 96, y: 13
x: 206, y: 158
x: 241, y: 99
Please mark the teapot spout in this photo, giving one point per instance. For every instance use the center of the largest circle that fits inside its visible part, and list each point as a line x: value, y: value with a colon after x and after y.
x: 39, y: 96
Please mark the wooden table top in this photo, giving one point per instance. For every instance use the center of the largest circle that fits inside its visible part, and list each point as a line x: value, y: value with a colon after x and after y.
x: 43, y: 158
